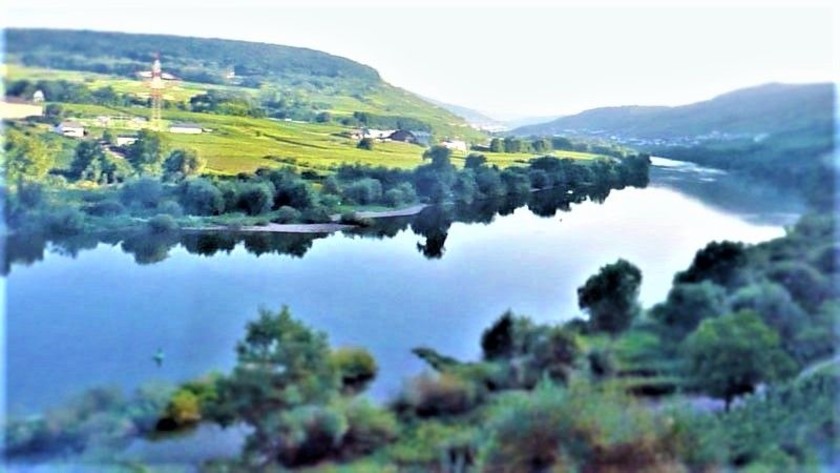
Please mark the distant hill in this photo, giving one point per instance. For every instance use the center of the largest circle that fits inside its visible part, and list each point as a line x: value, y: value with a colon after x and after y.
x: 764, y: 109
x: 313, y: 80
x: 473, y: 117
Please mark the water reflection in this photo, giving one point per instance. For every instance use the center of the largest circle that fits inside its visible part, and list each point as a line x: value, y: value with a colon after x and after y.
x: 431, y: 225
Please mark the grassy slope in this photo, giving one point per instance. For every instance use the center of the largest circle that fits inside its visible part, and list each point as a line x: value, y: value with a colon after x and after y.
x: 238, y: 144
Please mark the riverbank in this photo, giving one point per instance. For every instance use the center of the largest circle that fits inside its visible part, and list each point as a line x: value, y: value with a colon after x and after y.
x: 330, y: 227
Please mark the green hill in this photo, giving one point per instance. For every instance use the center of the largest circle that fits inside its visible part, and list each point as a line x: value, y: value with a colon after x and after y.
x: 766, y: 109
x: 288, y: 82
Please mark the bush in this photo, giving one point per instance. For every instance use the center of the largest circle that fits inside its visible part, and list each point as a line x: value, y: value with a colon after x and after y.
x: 364, y: 191
x: 365, y: 143
x: 315, y: 215
x: 369, y: 428
x: 255, y: 199
x: 144, y: 192
x: 312, y: 433
x: 581, y: 428
x: 201, y: 197
x: 352, y: 218
x: 162, y: 223
x: 445, y: 394
x: 286, y: 214
x: 356, y: 367
x: 170, y: 207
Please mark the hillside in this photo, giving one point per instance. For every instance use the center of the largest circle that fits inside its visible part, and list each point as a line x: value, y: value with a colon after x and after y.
x: 298, y: 82
x: 765, y: 109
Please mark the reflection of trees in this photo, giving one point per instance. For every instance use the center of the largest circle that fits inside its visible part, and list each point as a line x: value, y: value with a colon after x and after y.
x: 22, y: 250
x: 149, y: 248
x: 433, y: 223
x: 208, y: 243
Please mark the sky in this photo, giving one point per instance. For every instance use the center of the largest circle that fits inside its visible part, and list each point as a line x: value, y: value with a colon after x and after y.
x: 509, y: 60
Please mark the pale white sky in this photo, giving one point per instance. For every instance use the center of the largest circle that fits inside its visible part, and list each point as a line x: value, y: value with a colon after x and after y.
x: 527, y: 58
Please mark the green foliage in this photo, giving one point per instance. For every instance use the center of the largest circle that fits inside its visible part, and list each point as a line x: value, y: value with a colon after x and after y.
x: 162, y: 223
x: 718, y: 262
x: 444, y: 394
x: 687, y: 305
x: 355, y: 366
x: 366, y: 144
x: 184, y: 408
x: 181, y: 164
x: 145, y: 192
x: 201, y: 197
x: 255, y: 198
x: 581, y: 428
x: 364, y: 191
x: 283, y: 372
x: 611, y: 297
x: 730, y: 355
x: 65, y: 221
x: 498, y: 341
x: 147, y: 153
x: 369, y: 428
x: 474, y: 160
x: 25, y: 157
x: 776, y: 308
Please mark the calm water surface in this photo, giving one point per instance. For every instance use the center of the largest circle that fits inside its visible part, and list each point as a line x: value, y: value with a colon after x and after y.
x: 97, y: 318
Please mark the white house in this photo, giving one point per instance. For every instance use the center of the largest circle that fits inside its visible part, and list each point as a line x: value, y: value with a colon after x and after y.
x: 71, y: 129
x: 455, y: 145
x: 38, y: 96
x: 187, y: 128
x: 125, y: 140
x: 377, y: 134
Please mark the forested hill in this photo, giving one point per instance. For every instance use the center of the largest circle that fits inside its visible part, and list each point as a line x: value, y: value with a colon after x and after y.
x: 195, y: 59
x: 765, y: 109
x: 307, y: 82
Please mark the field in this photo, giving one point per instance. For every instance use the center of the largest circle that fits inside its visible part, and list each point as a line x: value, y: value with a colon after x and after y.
x: 236, y: 144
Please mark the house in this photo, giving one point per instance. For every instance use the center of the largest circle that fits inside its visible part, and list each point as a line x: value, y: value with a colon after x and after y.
x: 187, y: 128
x: 455, y: 145
x: 125, y: 140
x: 376, y: 134
x: 38, y: 96
x: 403, y: 135
x: 15, y: 108
x: 71, y: 129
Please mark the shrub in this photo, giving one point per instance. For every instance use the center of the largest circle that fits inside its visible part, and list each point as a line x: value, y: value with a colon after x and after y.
x: 430, y: 395
x: 364, y: 191
x: 201, y: 197
x: 255, y: 199
x: 352, y: 218
x: 162, y: 223
x: 286, y: 214
x: 315, y: 215
x: 369, y: 428
x: 170, y: 207
x: 355, y: 366
x: 144, y: 192
x: 312, y: 433
x: 365, y: 143
x: 184, y: 408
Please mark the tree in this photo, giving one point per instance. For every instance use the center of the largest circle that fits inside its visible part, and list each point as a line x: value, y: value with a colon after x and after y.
x: 719, y: 262
x: 92, y: 164
x: 689, y: 304
x: 475, y: 160
x: 730, y: 355
x: 611, y: 297
x: 200, y: 197
x: 27, y: 158
x: 497, y: 145
x: 146, y: 153
x: 439, y: 156
x: 283, y: 368
x: 182, y: 163
x: 366, y: 143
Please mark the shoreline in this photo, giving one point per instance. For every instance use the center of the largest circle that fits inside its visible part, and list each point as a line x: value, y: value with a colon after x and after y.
x: 332, y: 227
